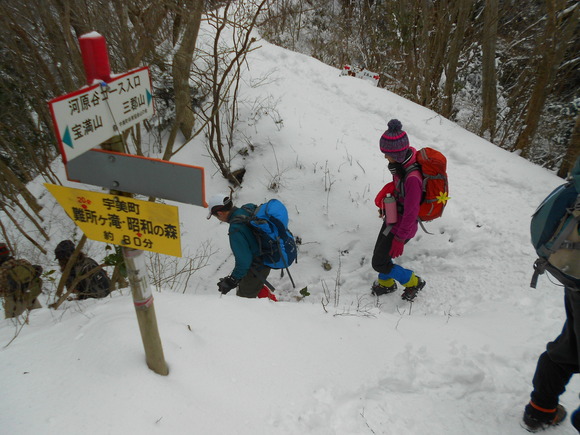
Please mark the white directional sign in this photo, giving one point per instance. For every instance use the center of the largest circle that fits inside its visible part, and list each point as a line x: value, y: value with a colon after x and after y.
x: 90, y: 116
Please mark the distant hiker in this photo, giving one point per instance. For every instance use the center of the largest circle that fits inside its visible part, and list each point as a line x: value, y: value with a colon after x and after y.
x: 406, y: 190
x: 249, y: 274
x: 95, y: 285
x: 561, y: 359
x: 20, y: 284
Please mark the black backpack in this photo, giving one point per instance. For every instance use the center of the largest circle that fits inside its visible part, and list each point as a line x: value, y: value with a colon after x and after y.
x: 97, y: 285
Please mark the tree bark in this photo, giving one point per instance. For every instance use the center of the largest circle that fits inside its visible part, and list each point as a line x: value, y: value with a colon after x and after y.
x: 463, y: 10
x: 573, y: 151
x: 489, y: 76
x: 189, y: 22
x: 551, y: 51
x: 8, y: 177
x: 22, y: 230
x: 182, y: 66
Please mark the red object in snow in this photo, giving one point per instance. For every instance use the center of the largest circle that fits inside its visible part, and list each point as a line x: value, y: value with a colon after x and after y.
x: 266, y: 293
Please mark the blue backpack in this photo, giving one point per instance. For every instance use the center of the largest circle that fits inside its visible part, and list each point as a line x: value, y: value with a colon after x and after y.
x: 269, y: 223
x: 556, y: 234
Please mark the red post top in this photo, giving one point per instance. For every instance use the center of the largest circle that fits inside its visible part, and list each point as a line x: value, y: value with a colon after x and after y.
x: 95, y: 57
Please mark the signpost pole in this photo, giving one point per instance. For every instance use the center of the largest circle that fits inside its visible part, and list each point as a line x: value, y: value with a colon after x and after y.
x: 145, y: 309
x: 96, y: 63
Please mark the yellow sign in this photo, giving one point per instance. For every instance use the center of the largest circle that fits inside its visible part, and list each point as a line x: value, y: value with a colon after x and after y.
x: 122, y: 221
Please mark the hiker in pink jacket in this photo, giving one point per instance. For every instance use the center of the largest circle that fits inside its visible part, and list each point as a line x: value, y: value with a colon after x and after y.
x: 397, y: 230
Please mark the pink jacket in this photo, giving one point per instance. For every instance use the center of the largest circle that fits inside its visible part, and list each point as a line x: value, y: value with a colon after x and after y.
x: 407, y: 223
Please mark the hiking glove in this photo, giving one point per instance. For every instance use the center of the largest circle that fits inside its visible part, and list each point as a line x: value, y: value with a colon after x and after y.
x: 38, y: 270
x: 226, y: 284
x: 396, y: 247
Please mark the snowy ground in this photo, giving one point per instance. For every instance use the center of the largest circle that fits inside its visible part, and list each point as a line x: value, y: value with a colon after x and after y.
x: 459, y: 360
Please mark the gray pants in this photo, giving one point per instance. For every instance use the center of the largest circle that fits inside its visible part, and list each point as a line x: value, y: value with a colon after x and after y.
x: 251, y: 284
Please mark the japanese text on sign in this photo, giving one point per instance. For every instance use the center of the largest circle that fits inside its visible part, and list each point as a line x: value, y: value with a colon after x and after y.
x: 98, y: 96
x: 90, y: 116
x: 122, y: 220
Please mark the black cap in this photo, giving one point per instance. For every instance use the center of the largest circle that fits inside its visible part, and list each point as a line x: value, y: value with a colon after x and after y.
x: 64, y: 249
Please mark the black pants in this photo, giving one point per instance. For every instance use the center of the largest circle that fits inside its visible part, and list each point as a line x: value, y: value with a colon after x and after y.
x: 381, y: 261
x: 561, y: 360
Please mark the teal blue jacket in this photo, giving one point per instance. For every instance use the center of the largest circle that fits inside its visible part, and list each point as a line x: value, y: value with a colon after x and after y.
x: 243, y: 243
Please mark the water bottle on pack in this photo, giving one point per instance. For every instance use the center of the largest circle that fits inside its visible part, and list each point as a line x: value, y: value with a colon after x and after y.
x: 390, y: 209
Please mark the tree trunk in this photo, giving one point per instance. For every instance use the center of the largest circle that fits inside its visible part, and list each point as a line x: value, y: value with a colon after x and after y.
x: 22, y: 230
x: 436, y: 56
x: 551, y: 51
x: 573, y: 151
x: 182, y: 65
x: 8, y: 177
x: 462, y: 16
x: 190, y: 20
x: 489, y: 76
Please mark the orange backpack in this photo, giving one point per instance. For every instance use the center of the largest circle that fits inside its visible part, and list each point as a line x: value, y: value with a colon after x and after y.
x: 433, y: 167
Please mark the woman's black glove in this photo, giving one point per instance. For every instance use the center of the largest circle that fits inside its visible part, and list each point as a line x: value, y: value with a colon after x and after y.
x: 226, y: 284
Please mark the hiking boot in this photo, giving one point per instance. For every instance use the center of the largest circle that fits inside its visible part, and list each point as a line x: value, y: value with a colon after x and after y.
x: 410, y: 293
x: 378, y: 289
x: 536, y: 420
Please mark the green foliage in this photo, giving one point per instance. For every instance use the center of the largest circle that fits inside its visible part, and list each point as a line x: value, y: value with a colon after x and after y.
x: 49, y: 275
x: 116, y: 259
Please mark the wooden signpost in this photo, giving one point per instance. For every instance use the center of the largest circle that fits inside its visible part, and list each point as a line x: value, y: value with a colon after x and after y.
x: 99, y: 113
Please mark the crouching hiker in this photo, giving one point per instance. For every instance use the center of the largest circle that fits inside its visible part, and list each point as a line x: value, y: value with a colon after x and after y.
x: 20, y: 284
x: 86, y: 279
x: 249, y: 274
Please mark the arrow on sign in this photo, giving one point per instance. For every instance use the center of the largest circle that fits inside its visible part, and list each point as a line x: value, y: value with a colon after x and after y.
x: 149, y: 97
x: 67, y: 139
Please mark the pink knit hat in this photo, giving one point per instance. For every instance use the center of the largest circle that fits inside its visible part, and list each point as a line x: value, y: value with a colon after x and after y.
x: 394, y: 142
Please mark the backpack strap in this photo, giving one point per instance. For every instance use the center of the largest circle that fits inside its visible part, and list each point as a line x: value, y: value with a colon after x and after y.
x: 387, y: 230
x: 542, y: 265
x: 244, y: 219
x: 410, y: 170
x: 423, y: 227
x: 561, y: 242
